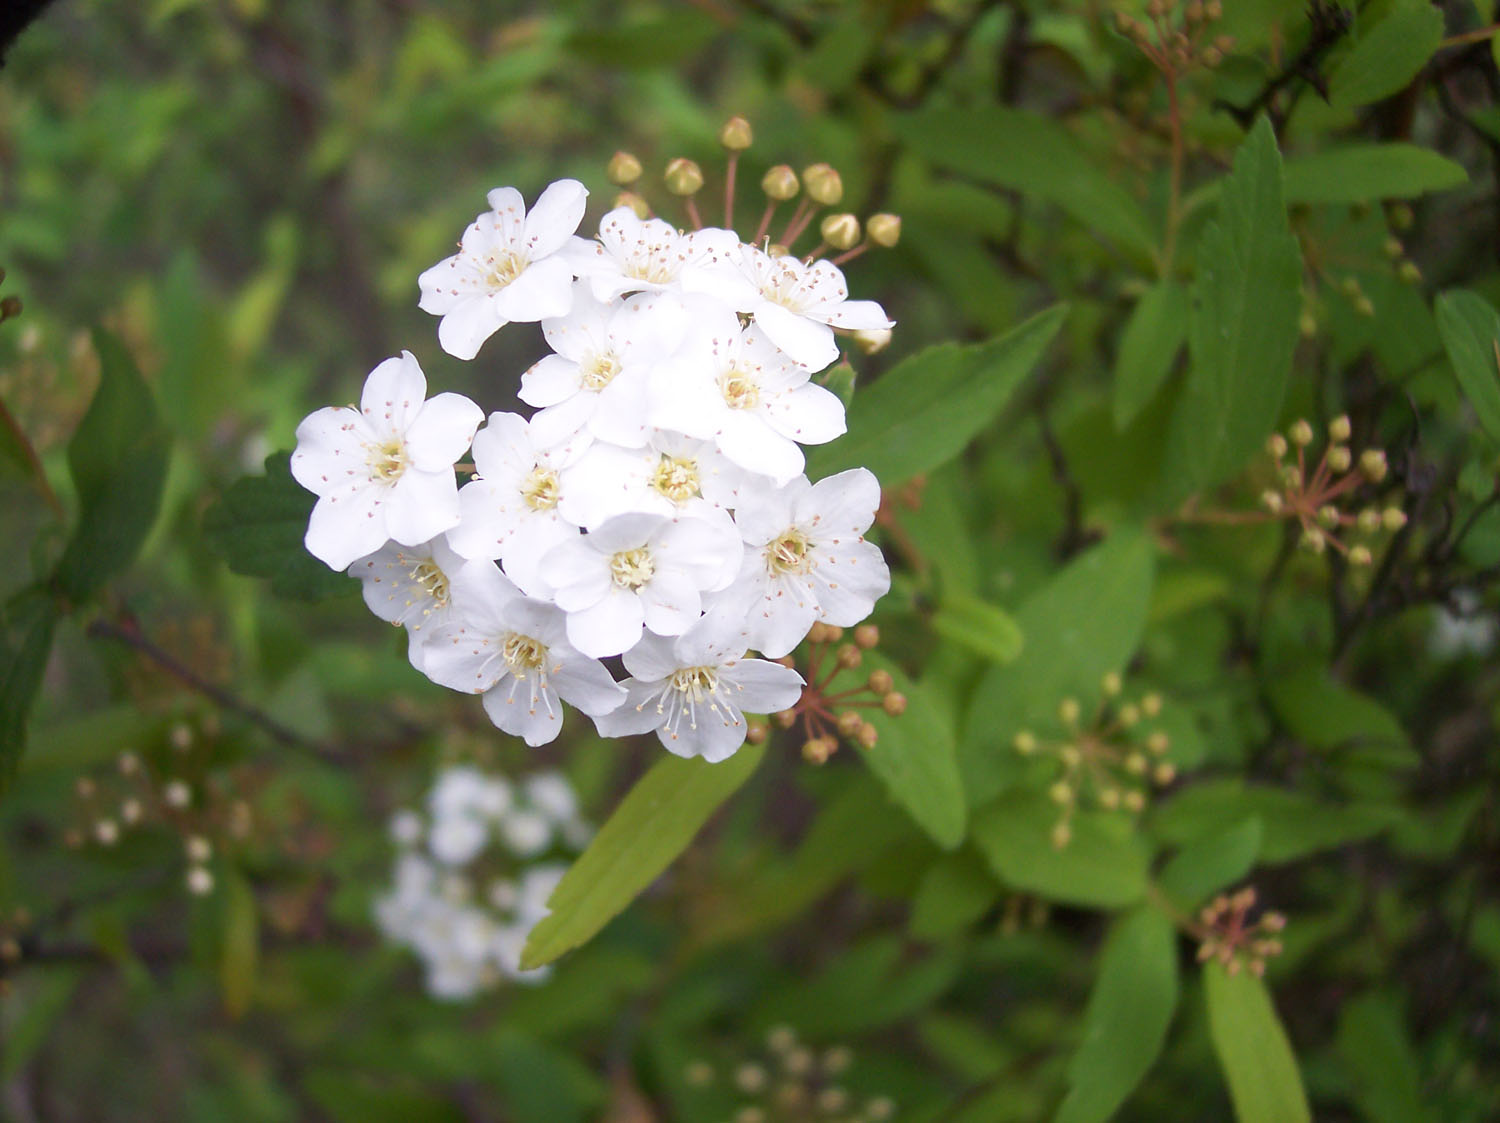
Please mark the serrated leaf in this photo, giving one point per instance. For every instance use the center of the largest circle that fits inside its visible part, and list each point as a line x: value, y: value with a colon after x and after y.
x: 1242, y: 328
x: 927, y: 408
x: 979, y: 626
x: 1128, y: 1015
x: 118, y: 461
x: 1084, y: 622
x: 1254, y: 1054
x: 653, y: 824
x: 1470, y: 328
x: 1036, y: 156
x: 1387, y: 57
x: 27, y: 623
x: 1213, y: 861
x: 1357, y: 173
x: 258, y: 526
x: 1102, y: 866
x: 915, y: 757
x: 1148, y: 347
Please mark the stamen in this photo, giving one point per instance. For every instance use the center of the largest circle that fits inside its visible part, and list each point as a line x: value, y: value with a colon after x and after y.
x: 631, y: 569
x: 599, y: 370
x: 540, y: 491
x: 676, y: 477
x: 739, y: 388
x: 792, y: 552
x: 388, y: 461
x: 505, y: 267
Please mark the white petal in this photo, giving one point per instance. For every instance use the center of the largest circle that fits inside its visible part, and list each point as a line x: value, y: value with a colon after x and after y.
x: 585, y: 683
x: 855, y: 315
x: 330, y: 451
x: 611, y: 626
x: 346, y: 526
x: 421, y: 505
x: 550, y: 380
x: 764, y: 687
x: 670, y: 604
x: 809, y: 415
x: 554, y: 216
x: 519, y: 708
x: 841, y: 506
x: 637, y: 714
x: 393, y: 394
x: 468, y: 324
x: 544, y: 289
x: 805, y: 341
x: 442, y: 431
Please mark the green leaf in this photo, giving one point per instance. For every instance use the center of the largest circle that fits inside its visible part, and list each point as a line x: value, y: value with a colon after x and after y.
x: 1384, y: 1076
x: 1036, y: 156
x: 1153, y: 335
x: 1470, y: 329
x: 653, y: 824
x: 1242, y: 328
x: 1358, y: 173
x: 956, y: 890
x: 1293, y: 824
x: 1102, y: 866
x: 916, y: 759
x: 1387, y: 57
x: 1082, y: 623
x: 979, y: 626
x: 258, y: 527
x: 1127, y: 1019
x: 1328, y: 715
x: 542, y: 1084
x: 1210, y: 862
x: 118, y: 460
x: 39, y: 1006
x: 1253, y: 1049
x: 927, y: 408
x: 239, y: 942
x: 27, y: 623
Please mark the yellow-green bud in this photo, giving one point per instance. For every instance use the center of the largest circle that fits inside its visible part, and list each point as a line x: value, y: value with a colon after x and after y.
x: 1393, y: 518
x: 1339, y: 429
x: 1307, y: 324
x: 894, y: 703
x: 1291, y: 476
x: 1151, y: 704
x: 871, y: 341
x: 1213, y: 10
x: 634, y: 202
x: 884, y: 229
x: 1164, y: 773
x: 1112, y: 684
x: 1061, y: 792
x: 735, y: 134
x: 1328, y: 516
x: 1135, y: 764
x: 1350, y: 287
x: 1301, y: 433
x: 1129, y: 715
x: 1408, y: 273
x: 1024, y: 742
x: 1339, y: 458
x: 1212, y: 56
x: 1401, y: 216
x: 1109, y: 798
x: 780, y: 183
x: 1158, y: 743
x: 1372, y: 464
x: 841, y: 231
x: 824, y: 185
x: 624, y: 169
x: 1062, y: 834
x: 1068, y: 710
x: 1369, y: 520
x: 1364, y: 306
x: 1134, y: 801
x: 1313, y: 540
x: 1271, y: 501
x: 1393, y: 247
x: 1070, y: 755
x: 1360, y: 556
x: 1276, y: 445
x: 683, y: 177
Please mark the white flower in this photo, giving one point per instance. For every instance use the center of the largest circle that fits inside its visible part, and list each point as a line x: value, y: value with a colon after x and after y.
x: 736, y: 387
x: 598, y: 382
x: 527, y: 832
x: 385, y: 470
x: 693, y: 690
x: 806, y: 558
x: 639, y: 569
x: 635, y: 254
x: 512, y: 510
x: 507, y: 268
x: 551, y: 794
x: 795, y: 303
x: 515, y: 652
x: 672, y: 475
x: 410, y: 586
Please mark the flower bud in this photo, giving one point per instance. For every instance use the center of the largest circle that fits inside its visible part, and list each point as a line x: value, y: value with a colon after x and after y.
x: 1134, y: 801
x: 785, y: 719
x: 881, y: 682
x: 894, y: 704
x: 1129, y: 715
x: 735, y: 134
x: 1211, y: 57
x: 757, y: 733
x: 131, y: 812
x: 824, y: 185
x: 1276, y: 445
x: 106, y: 832
x: 1158, y: 743
x: 177, y: 794
x: 872, y: 341
x: 780, y: 183
x: 1164, y: 773
x: 1360, y: 556
x: 1062, y: 834
x: 1070, y: 755
x: 1339, y: 429
x: 683, y: 177
x: 1369, y: 520
x: 1313, y: 540
x: 1393, y: 518
x: 850, y: 656
x: 1364, y: 306
x: 1024, y: 742
x: 1109, y: 799
x: 1151, y: 704
x: 1408, y: 273
x: 1135, y: 764
x: 884, y: 229
x: 1301, y: 433
x: 868, y: 735
x: 1061, y: 792
x: 1068, y: 711
x: 867, y: 636
x: 1307, y: 324
x: 1214, y: 10
x: 200, y: 883
x: 623, y: 169
x: 1112, y: 684
x: 850, y: 720
x: 1271, y: 501
x: 841, y: 231
x: 815, y: 750
x: 198, y: 849
x: 1328, y: 516
x: 1339, y: 458
x: 1372, y: 464
x: 630, y: 199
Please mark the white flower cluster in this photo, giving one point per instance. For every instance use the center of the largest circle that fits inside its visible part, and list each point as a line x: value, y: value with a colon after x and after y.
x: 654, y: 507
x: 464, y: 898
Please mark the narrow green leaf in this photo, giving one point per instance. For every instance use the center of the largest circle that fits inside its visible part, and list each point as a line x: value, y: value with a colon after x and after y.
x: 956, y: 890
x: 1213, y: 861
x: 1102, y: 866
x: 1388, y: 56
x: 1384, y: 1076
x: 1293, y: 824
x: 1153, y: 335
x: 258, y: 527
x: 1327, y: 714
x: 1242, y: 328
x: 1358, y: 173
x: 239, y: 946
x: 916, y: 759
x: 979, y: 626
x: 1470, y: 329
x: 118, y: 460
x: 27, y: 623
x: 1085, y: 621
x: 1253, y: 1050
x: 39, y: 1007
x: 927, y: 408
x: 1036, y: 156
x: 653, y: 824
x: 1128, y: 1015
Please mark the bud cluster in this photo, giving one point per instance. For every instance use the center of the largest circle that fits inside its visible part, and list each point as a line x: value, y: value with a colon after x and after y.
x: 826, y: 715
x: 1322, y: 496
x: 1109, y: 761
x: 1177, y: 36
x: 1228, y: 935
x: 473, y: 875
x: 791, y: 1082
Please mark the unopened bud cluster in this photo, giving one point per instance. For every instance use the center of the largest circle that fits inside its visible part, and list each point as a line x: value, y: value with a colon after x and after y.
x: 1230, y: 937
x: 1325, y: 496
x: 790, y: 1082
x: 827, y: 715
x: 1177, y: 36
x: 1109, y: 759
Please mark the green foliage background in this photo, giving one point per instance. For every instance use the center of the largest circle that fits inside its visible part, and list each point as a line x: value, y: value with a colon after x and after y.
x: 1112, y: 286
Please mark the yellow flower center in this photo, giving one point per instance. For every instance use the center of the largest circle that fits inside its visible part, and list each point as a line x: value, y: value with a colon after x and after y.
x: 540, y: 491
x: 739, y: 389
x: 791, y: 553
x: 505, y: 268
x: 632, y: 568
x: 697, y: 683
x: 433, y: 580
x: 388, y: 461
x: 599, y: 370
x: 523, y: 654
x: 676, y: 477
x: 651, y: 267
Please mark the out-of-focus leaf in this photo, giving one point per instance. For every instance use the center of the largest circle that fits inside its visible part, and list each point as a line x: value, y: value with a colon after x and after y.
x: 1128, y: 1015
x: 1102, y: 866
x: 644, y: 44
x: 1213, y: 861
x: 956, y: 890
x: 239, y: 947
x: 1384, y: 1077
x: 1153, y: 335
x: 653, y: 824
x: 1357, y: 173
x: 258, y: 527
x: 916, y: 759
x: 356, y: 1097
x: 1388, y: 56
x: 1242, y: 328
x: 1327, y: 714
x: 542, y: 1084
x: 1036, y: 156
x: 27, y: 623
x: 980, y: 627
x: 118, y: 460
x: 1470, y: 329
x: 1253, y: 1050
x: 41, y: 1003
x: 927, y: 408
x: 1293, y: 824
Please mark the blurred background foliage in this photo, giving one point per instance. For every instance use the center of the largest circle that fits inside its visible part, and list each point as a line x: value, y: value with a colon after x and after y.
x: 243, y: 193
